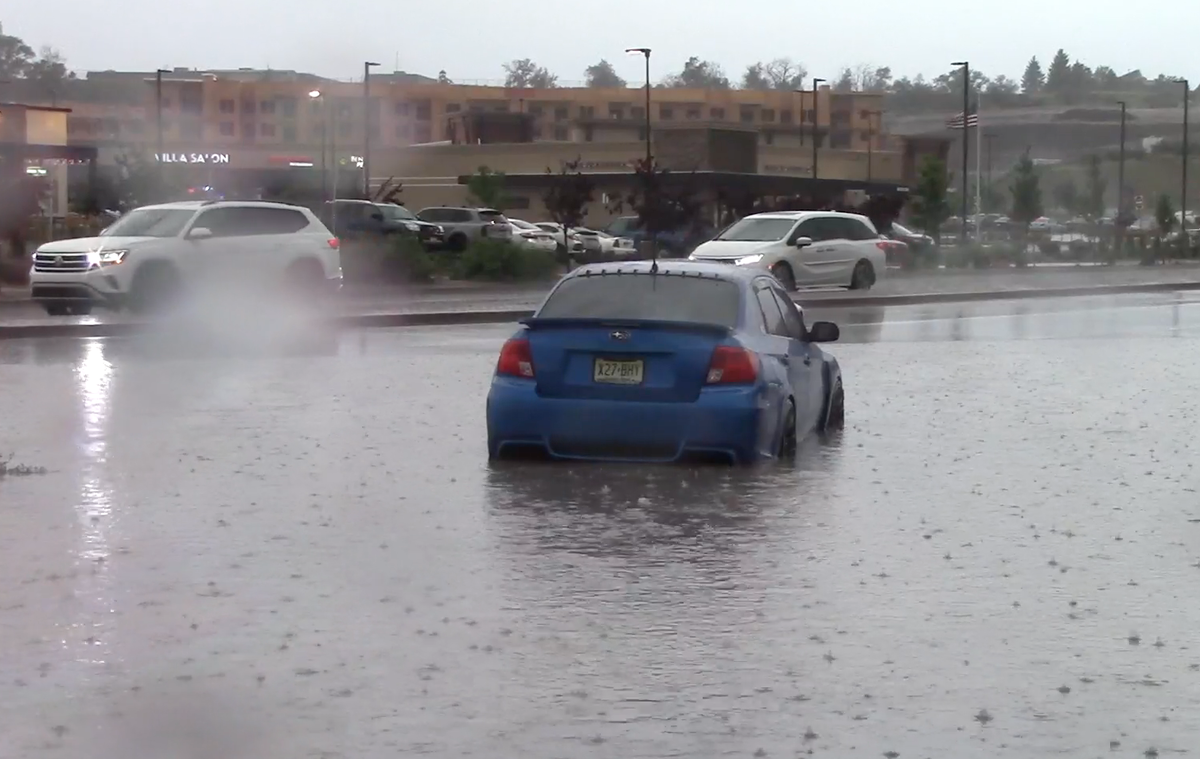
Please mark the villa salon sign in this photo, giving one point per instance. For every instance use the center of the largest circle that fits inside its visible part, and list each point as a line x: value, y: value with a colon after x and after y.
x: 207, y: 158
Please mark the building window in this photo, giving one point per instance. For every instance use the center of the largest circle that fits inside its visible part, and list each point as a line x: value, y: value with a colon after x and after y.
x: 666, y: 112
x: 400, y: 108
x: 717, y: 114
x: 248, y: 131
x: 839, y: 140
x: 562, y: 113
x: 587, y: 112
x: 588, y: 134
x: 637, y: 112
x: 864, y: 114
x: 693, y: 114
x: 289, y: 134
x: 785, y: 116
x: 560, y: 133
x: 865, y: 136
x: 248, y: 106
x: 456, y: 107
x: 424, y: 110
x: 289, y: 106
x: 266, y: 130
x: 517, y: 202
x: 227, y: 106
x: 768, y: 115
x: 768, y: 138
x: 747, y: 114
x: 536, y: 110
x: 424, y: 133
x: 227, y: 129
x: 809, y: 115
x: 267, y: 107
x: 616, y: 113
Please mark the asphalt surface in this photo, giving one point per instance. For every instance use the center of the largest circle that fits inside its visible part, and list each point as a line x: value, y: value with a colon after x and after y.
x: 266, y: 553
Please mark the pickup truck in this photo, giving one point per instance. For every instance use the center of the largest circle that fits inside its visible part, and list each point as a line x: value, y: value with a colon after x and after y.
x: 465, y: 225
x: 360, y: 218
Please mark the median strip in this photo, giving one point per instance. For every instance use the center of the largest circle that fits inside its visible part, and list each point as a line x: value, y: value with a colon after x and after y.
x: 507, y: 316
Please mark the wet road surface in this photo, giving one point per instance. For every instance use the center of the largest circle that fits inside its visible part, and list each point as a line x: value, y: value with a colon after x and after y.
x: 307, y: 555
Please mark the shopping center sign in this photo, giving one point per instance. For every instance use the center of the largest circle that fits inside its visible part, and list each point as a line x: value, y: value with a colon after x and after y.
x: 192, y: 157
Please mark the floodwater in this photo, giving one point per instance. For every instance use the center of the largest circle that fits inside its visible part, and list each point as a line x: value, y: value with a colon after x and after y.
x: 308, y: 556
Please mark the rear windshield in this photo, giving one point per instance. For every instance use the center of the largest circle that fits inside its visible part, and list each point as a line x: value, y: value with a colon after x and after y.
x: 669, y: 297
x: 493, y: 216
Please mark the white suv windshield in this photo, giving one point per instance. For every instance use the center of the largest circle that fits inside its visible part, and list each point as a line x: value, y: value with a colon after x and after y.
x: 758, y: 230
x: 151, y: 222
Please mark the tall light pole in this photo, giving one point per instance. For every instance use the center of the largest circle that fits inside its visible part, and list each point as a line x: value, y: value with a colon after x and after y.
x: 1187, y: 96
x: 158, y: 111
x: 315, y: 97
x: 366, y: 156
x: 645, y: 51
x: 817, y: 81
x: 966, y: 202
x: 1120, y: 220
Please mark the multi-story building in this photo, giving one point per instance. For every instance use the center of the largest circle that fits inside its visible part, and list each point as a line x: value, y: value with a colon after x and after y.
x: 228, y: 124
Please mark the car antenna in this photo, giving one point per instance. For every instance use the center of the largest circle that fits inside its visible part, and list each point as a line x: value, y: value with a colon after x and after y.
x: 653, y: 256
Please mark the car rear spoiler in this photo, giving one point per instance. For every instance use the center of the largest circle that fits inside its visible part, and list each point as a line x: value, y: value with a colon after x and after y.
x: 718, y: 330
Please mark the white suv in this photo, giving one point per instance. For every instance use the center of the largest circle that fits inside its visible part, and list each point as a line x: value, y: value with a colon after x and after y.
x: 803, y: 248
x: 148, y: 257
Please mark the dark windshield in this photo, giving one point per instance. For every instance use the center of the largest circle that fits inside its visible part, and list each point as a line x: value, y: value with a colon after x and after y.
x: 667, y: 297
x: 758, y: 230
x: 398, y: 213
x: 151, y: 222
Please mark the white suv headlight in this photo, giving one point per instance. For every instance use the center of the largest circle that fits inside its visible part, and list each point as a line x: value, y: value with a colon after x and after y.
x: 107, y: 257
x: 748, y: 260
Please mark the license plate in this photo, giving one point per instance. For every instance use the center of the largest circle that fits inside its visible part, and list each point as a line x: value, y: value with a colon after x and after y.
x: 623, y: 372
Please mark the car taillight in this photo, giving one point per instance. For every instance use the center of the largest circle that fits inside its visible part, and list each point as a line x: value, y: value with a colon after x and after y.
x: 732, y: 365
x: 516, y: 359
x: 334, y: 243
x: 884, y: 245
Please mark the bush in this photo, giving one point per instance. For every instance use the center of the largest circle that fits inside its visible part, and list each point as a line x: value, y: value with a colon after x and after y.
x: 393, y: 260
x: 496, y: 261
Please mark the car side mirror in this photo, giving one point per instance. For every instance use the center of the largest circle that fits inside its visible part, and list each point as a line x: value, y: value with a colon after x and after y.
x: 200, y: 233
x: 823, y: 332
x: 802, y: 242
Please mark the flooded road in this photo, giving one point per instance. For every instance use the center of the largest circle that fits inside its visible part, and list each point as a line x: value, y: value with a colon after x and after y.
x: 308, y: 555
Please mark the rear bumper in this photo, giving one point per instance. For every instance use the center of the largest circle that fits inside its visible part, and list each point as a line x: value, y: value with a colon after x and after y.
x: 726, y: 422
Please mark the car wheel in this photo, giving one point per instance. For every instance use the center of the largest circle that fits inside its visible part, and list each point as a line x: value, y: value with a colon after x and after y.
x: 80, y: 309
x: 787, y: 439
x: 56, y: 309
x: 156, y: 285
x: 835, y: 416
x: 863, y: 277
x: 457, y: 243
x: 305, y: 280
x: 783, y: 272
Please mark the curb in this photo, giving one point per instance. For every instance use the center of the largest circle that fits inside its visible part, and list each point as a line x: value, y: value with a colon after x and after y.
x: 508, y: 316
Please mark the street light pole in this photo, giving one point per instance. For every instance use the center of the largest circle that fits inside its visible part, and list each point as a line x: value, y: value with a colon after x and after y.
x: 158, y: 111
x: 966, y: 146
x: 1187, y: 95
x: 315, y: 97
x: 816, y: 123
x: 1121, y: 176
x: 366, y: 156
x: 645, y: 51
x: 871, y: 116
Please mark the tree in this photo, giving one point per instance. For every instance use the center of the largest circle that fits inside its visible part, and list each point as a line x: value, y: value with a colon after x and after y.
x: 661, y: 203
x: 15, y: 56
x: 487, y: 187
x: 1033, y: 80
x: 1164, y: 215
x: 568, y: 196
x: 1066, y: 195
x: 785, y: 74
x: 930, y: 207
x: 1093, y: 201
x: 1058, y: 77
x: 603, y: 74
x: 755, y: 78
x: 524, y: 72
x: 1026, y: 192
x: 698, y: 74
x: 1003, y: 86
x: 49, y: 71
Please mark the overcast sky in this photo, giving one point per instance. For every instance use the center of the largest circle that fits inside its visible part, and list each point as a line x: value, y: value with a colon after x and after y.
x: 470, y: 39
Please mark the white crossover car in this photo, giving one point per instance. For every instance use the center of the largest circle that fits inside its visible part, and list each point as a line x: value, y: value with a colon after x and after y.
x: 148, y: 257
x: 528, y: 236
x: 803, y: 248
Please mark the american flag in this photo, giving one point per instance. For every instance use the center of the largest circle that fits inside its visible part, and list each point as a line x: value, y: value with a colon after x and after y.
x: 956, y: 121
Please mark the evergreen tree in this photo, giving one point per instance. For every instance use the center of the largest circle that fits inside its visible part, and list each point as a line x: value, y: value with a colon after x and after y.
x: 930, y: 206
x: 1026, y: 192
x: 1058, y: 78
x: 1034, y: 79
x: 1092, y: 203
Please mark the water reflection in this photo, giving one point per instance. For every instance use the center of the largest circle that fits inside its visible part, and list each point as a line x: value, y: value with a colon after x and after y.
x: 93, y: 377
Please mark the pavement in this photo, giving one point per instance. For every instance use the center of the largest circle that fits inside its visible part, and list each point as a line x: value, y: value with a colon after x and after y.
x: 467, y: 303
x: 307, y: 555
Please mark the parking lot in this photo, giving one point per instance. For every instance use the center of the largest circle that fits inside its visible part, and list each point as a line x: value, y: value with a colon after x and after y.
x: 308, y: 555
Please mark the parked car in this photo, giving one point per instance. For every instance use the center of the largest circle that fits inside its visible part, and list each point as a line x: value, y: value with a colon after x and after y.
x: 529, y: 236
x: 628, y: 362
x: 917, y: 242
x: 151, y: 256
x: 672, y: 243
x: 608, y: 245
x: 556, y: 229
x: 464, y: 225
x: 356, y: 218
x: 803, y: 248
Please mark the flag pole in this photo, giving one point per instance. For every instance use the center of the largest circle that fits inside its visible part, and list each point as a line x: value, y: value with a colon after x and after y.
x: 978, y: 166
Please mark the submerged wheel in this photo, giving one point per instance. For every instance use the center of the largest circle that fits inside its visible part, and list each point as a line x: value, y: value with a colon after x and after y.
x: 56, y: 309
x: 863, y: 277
x: 783, y: 272
x: 787, y: 439
x: 155, y: 287
x: 835, y: 416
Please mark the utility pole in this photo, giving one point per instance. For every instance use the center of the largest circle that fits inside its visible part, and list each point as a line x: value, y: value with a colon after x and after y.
x: 966, y: 145
x: 816, y: 123
x: 366, y: 156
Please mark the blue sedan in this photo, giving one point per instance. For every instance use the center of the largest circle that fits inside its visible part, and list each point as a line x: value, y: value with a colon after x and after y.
x: 683, y: 360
